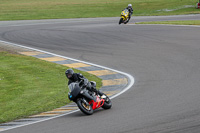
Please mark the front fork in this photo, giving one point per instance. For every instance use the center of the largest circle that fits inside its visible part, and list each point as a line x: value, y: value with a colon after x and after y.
x: 86, y: 95
x: 84, y: 101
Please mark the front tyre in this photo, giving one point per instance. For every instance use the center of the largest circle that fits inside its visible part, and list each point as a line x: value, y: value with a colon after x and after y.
x: 107, y: 104
x: 86, y: 109
x: 121, y: 20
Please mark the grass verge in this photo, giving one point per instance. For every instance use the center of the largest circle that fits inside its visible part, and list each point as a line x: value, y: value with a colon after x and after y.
x: 29, y: 86
x: 185, y: 22
x: 52, y: 9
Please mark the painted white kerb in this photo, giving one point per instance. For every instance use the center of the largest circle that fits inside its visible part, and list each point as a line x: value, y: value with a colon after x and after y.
x: 131, y: 80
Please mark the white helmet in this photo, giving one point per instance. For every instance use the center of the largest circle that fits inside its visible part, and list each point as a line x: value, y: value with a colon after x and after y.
x: 130, y: 5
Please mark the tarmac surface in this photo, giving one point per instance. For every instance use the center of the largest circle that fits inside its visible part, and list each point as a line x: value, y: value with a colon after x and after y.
x: 163, y: 59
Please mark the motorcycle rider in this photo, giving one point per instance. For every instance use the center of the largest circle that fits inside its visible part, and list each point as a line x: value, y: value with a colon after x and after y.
x: 74, y: 77
x: 130, y: 9
x: 198, y: 5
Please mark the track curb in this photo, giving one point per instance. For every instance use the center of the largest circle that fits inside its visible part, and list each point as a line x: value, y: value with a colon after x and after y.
x: 114, y: 82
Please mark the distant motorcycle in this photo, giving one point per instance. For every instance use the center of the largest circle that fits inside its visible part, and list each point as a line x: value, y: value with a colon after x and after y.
x: 124, y: 16
x: 198, y: 5
x: 87, y: 101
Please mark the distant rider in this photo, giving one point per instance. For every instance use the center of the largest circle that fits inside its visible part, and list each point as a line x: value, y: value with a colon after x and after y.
x: 74, y: 77
x: 130, y: 9
x: 198, y: 5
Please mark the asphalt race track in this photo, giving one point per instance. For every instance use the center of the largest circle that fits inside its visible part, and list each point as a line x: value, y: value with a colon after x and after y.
x: 164, y: 60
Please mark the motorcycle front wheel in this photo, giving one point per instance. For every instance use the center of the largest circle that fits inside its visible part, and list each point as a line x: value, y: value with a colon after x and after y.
x: 86, y: 109
x: 121, y: 20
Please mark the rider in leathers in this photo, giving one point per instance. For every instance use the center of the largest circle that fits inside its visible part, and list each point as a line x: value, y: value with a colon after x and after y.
x: 130, y: 9
x: 73, y: 77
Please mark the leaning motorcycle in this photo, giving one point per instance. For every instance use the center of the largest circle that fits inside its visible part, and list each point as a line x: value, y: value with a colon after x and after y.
x: 124, y: 16
x: 87, y: 101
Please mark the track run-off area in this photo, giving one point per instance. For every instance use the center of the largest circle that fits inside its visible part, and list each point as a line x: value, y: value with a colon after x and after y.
x: 163, y: 59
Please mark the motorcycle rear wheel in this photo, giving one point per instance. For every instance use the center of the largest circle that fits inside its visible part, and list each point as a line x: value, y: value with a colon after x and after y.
x: 86, y: 109
x: 127, y: 21
x: 107, y: 104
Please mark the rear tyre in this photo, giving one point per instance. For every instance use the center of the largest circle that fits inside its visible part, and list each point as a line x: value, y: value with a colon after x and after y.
x: 86, y: 109
x: 127, y: 21
x: 107, y: 104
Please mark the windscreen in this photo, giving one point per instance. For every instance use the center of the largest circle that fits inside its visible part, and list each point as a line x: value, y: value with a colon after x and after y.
x: 72, y: 86
x: 126, y: 11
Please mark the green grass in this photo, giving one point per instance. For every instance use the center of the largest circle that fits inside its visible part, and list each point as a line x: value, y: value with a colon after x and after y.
x: 29, y: 86
x: 186, y: 22
x: 56, y: 9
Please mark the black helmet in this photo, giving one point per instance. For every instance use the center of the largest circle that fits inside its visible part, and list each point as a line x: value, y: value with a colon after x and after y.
x: 93, y: 83
x: 69, y: 73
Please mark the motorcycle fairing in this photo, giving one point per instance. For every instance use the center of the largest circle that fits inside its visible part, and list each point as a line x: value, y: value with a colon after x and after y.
x: 124, y: 14
x: 99, y: 102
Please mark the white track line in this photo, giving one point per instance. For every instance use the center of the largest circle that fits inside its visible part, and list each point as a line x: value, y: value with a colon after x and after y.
x: 131, y: 81
x: 53, y: 21
x: 168, y: 25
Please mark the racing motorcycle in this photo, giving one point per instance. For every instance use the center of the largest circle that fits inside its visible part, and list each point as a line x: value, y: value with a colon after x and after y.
x: 124, y: 16
x: 87, y: 101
